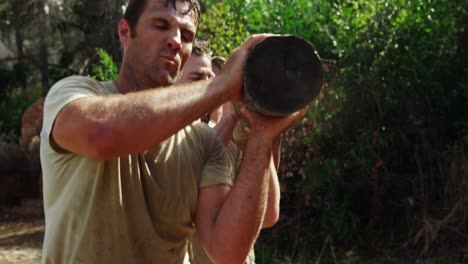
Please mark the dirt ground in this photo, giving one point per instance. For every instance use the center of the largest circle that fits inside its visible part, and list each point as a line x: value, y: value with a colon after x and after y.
x: 21, y: 234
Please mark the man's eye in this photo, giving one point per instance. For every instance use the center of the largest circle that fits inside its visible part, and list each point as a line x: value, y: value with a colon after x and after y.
x: 161, y: 26
x: 187, y: 36
x: 195, y: 78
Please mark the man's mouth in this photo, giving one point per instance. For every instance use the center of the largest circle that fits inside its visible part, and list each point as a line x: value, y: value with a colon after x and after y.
x: 169, y: 59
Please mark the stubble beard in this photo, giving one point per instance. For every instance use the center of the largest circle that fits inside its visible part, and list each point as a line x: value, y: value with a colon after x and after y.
x: 166, y: 77
x: 158, y: 75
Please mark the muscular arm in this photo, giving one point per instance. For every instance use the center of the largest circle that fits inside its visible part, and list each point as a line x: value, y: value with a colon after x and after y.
x: 225, y: 127
x: 277, y: 151
x: 228, y: 221
x: 106, y: 127
x: 274, y: 192
x: 224, y: 130
x: 228, y: 228
x: 102, y: 128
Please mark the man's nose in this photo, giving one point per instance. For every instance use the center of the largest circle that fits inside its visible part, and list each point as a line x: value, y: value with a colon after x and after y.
x: 174, y: 40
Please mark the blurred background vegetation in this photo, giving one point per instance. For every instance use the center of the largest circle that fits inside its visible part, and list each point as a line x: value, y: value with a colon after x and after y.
x: 375, y: 173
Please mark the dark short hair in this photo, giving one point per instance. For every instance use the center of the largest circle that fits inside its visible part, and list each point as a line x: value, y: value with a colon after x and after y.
x: 135, y: 9
x: 218, y: 61
x: 201, y: 48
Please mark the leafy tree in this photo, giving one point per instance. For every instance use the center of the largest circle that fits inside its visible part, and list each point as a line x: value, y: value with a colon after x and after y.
x: 394, y: 102
x: 106, y: 69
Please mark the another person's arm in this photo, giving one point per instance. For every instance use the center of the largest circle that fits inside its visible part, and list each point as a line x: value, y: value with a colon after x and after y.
x: 228, y: 220
x: 274, y: 193
x: 224, y: 129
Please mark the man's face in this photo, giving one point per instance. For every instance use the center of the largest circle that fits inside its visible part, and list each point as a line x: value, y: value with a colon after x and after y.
x: 162, y: 44
x: 197, y: 68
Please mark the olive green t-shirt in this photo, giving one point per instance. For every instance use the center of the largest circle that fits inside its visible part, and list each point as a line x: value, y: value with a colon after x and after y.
x: 131, y: 209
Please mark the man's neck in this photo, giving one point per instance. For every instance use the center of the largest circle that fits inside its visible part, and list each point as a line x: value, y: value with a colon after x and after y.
x: 128, y: 82
x: 125, y: 84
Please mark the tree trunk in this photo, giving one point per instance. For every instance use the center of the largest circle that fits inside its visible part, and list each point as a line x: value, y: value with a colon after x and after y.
x: 463, y: 43
x: 94, y: 30
x: 101, y: 29
x: 43, y: 46
x: 116, y: 15
x: 19, y: 38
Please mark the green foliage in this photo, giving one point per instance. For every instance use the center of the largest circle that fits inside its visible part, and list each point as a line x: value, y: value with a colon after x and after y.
x: 12, y: 106
x: 6, y: 79
x: 15, y: 92
x: 106, y: 69
x: 379, y: 154
x: 223, y: 25
x: 394, y: 102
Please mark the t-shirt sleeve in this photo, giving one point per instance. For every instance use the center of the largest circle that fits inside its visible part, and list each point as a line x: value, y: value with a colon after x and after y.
x: 62, y: 93
x: 235, y: 158
x: 217, y: 169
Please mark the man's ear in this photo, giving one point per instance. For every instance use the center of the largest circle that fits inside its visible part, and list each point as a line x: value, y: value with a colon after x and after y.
x: 124, y: 32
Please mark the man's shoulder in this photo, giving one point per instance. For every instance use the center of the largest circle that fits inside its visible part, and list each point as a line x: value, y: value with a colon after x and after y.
x: 78, y: 84
x: 196, y: 137
x: 203, y: 131
x: 76, y: 79
x: 201, y: 126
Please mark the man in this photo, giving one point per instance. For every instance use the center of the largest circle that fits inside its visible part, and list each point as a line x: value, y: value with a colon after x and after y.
x: 217, y: 64
x: 199, y: 67
x: 123, y: 167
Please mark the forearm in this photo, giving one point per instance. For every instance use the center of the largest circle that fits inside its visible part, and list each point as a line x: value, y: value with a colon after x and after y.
x: 225, y: 127
x: 274, y: 195
x: 231, y: 235
x: 277, y: 151
x: 158, y: 113
x: 228, y: 226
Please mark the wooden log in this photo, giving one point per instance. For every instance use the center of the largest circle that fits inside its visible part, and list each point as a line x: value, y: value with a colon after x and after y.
x: 282, y: 75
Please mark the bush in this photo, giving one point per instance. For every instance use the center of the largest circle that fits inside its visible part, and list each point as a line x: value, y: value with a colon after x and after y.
x: 106, y: 69
x: 367, y: 170
x: 15, y: 102
x: 19, y: 170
